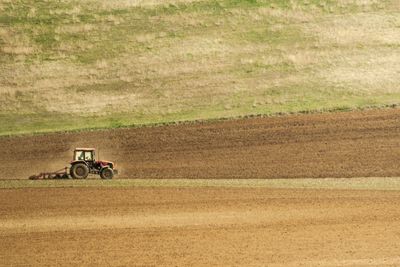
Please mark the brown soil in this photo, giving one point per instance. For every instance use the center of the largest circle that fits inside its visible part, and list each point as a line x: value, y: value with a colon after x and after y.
x: 198, y: 227
x: 351, y: 144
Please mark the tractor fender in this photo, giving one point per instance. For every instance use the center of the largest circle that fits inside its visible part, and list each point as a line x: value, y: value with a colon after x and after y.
x: 79, y: 161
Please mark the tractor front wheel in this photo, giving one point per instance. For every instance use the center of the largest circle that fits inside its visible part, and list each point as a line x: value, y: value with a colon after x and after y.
x: 106, y: 173
x: 79, y: 171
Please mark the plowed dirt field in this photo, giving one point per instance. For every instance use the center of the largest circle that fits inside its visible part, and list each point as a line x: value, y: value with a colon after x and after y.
x: 347, y: 144
x: 198, y: 227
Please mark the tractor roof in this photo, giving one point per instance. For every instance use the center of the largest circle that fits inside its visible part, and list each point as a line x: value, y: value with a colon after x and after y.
x: 84, y: 149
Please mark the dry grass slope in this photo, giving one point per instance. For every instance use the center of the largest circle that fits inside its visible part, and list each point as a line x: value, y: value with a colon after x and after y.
x: 86, y: 64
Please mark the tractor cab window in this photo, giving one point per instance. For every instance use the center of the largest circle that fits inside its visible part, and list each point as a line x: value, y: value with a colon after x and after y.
x: 88, y: 156
x: 79, y: 155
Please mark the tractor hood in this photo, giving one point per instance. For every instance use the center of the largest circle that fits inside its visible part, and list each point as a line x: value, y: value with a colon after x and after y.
x: 105, y: 162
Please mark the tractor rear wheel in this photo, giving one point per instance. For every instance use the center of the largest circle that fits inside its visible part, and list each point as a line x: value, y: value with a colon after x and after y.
x: 106, y: 173
x: 79, y: 171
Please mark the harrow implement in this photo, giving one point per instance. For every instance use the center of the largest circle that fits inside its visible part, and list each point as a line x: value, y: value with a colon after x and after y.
x: 59, y: 174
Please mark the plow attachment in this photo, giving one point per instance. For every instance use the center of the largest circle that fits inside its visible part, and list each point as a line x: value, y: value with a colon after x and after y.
x: 60, y: 174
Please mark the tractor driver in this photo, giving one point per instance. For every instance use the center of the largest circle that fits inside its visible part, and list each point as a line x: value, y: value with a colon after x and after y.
x: 81, y: 156
x: 88, y: 156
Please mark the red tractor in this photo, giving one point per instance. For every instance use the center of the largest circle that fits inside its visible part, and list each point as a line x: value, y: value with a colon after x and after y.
x: 84, y: 162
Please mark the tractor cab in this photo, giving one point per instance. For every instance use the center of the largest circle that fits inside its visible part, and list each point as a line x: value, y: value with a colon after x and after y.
x: 84, y: 154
